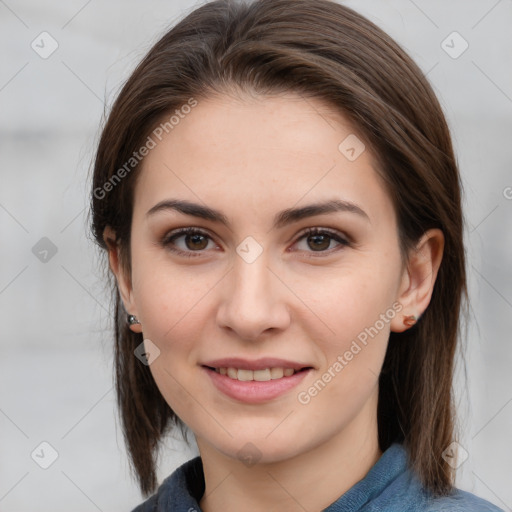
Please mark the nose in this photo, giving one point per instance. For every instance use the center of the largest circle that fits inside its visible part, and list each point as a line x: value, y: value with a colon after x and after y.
x: 254, y: 300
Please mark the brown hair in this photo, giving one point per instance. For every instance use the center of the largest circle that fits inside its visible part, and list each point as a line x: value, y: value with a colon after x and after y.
x: 322, y: 50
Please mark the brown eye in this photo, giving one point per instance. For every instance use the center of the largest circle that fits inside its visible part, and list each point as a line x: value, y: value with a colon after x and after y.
x: 316, y: 240
x: 319, y: 242
x: 196, y: 242
x: 187, y: 242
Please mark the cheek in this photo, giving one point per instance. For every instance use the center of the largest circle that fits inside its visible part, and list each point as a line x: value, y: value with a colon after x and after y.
x: 359, y: 311
x: 173, y: 314
x: 356, y: 303
x: 168, y: 297
x: 351, y: 299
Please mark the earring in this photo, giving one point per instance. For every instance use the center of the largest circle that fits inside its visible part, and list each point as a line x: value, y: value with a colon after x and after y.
x: 132, y: 320
x: 410, y: 320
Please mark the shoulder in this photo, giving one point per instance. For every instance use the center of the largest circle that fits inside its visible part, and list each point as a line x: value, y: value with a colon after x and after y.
x: 156, y: 502
x: 392, y: 485
x: 459, y: 501
x: 410, y: 492
x: 180, y: 491
x: 150, y: 505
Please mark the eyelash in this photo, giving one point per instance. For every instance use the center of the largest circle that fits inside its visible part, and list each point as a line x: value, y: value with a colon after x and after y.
x: 169, y: 239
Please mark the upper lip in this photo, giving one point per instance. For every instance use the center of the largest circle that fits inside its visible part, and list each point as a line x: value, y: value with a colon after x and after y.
x: 255, y: 364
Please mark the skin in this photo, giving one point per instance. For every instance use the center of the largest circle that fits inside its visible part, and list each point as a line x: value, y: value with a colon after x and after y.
x: 250, y: 158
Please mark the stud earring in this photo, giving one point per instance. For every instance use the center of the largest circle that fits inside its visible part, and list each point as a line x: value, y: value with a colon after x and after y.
x: 410, y: 320
x: 132, y: 320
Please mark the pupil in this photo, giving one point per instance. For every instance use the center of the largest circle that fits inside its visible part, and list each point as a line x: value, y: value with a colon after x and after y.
x: 320, y: 241
x: 196, y: 241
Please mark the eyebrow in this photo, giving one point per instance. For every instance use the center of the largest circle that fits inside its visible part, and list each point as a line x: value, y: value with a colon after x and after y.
x: 281, y: 219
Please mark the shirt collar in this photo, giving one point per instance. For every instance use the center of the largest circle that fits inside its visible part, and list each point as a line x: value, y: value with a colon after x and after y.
x: 184, y: 489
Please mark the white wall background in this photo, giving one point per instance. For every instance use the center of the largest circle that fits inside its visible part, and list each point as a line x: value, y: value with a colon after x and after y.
x: 56, y: 363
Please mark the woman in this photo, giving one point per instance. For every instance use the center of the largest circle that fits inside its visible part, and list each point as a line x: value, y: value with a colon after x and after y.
x: 278, y: 196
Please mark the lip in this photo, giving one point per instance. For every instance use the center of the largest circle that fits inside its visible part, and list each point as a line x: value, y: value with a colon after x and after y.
x: 256, y: 364
x: 255, y: 392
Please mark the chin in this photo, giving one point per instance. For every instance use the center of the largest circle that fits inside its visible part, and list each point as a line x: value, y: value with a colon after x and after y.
x: 255, y: 448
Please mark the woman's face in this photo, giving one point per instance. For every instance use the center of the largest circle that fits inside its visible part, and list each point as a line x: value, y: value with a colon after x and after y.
x: 256, y: 292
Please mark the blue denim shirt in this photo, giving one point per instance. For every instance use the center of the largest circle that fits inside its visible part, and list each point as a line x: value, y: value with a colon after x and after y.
x: 389, y: 486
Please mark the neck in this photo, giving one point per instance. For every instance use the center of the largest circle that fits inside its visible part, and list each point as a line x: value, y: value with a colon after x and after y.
x: 309, y: 481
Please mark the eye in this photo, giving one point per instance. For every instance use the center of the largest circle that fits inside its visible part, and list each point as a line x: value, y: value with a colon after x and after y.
x: 193, y: 241
x: 319, y: 240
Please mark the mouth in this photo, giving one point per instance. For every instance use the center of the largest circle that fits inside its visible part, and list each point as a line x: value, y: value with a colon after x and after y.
x: 263, y: 375
x: 255, y: 382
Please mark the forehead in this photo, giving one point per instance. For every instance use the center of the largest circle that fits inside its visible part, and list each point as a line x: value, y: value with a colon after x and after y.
x: 260, y: 152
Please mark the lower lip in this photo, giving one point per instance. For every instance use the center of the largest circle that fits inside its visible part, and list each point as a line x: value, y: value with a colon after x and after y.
x: 252, y: 391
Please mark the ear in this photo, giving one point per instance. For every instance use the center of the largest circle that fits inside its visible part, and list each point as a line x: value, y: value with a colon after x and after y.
x: 418, y: 279
x: 124, y: 284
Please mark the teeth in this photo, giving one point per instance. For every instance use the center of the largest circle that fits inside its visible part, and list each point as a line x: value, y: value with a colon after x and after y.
x: 245, y: 374
x: 258, y: 375
x: 261, y: 375
x: 276, y: 373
